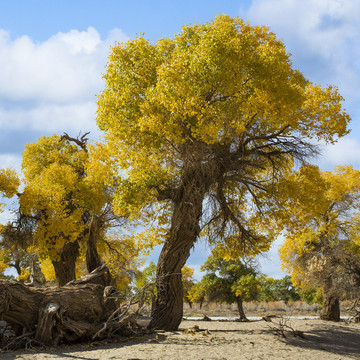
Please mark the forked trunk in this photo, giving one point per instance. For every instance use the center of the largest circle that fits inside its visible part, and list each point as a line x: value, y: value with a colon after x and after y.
x: 168, y: 311
x: 65, y: 266
x: 240, y: 307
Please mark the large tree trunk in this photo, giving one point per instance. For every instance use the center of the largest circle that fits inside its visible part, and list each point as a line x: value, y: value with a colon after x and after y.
x: 330, y: 308
x: 168, y: 311
x: 240, y: 307
x: 331, y: 304
x: 92, y: 255
x: 65, y: 266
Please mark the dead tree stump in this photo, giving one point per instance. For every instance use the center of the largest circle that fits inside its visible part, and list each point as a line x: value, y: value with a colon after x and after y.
x: 74, y: 311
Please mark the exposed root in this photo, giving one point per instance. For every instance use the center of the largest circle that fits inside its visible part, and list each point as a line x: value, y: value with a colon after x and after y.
x: 58, y: 323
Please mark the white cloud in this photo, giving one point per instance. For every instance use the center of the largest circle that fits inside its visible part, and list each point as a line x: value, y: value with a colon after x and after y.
x: 345, y: 152
x: 65, y: 68
x: 322, y: 35
x: 10, y: 161
x: 51, y: 86
x: 51, y: 117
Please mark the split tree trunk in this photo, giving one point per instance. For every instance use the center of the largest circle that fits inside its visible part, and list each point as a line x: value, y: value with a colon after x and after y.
x: 168, y: 311
x: 240, y: 307
x: 65, y: 266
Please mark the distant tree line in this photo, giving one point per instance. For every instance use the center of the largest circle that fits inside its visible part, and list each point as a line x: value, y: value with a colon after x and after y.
x: 232, y: 282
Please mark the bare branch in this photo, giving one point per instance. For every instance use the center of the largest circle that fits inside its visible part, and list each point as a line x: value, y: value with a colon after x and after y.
x: 81, y: 142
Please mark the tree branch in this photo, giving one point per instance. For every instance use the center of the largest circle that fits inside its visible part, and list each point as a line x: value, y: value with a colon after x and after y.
x: 81, y: 142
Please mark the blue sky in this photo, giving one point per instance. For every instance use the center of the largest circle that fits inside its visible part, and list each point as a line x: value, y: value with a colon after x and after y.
x: 52, y: 55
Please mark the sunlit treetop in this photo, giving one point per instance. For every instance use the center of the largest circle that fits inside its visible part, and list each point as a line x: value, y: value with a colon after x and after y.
x: 207, y: 83
x: 57, y: 192
x: 55, y: 168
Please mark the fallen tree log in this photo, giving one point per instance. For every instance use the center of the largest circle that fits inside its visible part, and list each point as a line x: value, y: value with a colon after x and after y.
x: 76, y: 311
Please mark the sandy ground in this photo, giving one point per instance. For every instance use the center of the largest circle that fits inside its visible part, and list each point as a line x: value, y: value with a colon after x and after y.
x: 220, y: 340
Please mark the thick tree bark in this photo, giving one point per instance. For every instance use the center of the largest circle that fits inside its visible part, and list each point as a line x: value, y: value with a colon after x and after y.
x: 65, y: 266
x: 331, y: 304
x: 92, y: 255
x: 100, y: 275
x: 330, y: 308
x: 168, y: 311
x: 22, y: 304
x: 17, y: 266
x: 240, y: 307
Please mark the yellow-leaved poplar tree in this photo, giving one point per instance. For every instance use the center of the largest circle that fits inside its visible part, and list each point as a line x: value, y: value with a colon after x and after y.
x: 322, y: 220
x: 71, y: 211
x: 188, y: 281
x: 197, y: 126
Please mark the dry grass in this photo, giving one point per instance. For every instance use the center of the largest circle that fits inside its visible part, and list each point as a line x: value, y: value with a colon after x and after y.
x: 253, y: 308
x: 295, y: 308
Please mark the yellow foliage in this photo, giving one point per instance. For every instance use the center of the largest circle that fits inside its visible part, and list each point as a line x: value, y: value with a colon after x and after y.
x: 320, y: 212
x: 9, y: 183
x: 58, y: 191
x: 187, y: 273
x: 3, y: 265
x: 247, y: 286
x: 25, y: 275
x: 47, y: 269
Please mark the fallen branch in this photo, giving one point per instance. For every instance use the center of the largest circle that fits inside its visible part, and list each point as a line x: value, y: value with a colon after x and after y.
x: 283, y: 329
x: 122, y: 319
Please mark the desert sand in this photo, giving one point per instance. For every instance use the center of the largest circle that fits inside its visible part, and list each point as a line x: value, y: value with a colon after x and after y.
x: 220, y: 340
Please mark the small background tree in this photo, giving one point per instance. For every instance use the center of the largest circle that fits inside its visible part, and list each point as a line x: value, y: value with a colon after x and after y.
x: 277, y: 289
x: 230, y: 281
x: 188, y: 281
x: 197, y: 293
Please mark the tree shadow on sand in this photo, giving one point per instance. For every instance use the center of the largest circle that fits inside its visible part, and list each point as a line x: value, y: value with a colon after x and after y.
x: 336, y: 340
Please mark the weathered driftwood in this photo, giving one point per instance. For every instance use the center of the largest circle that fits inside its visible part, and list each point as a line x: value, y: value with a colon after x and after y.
x: 100, y: 275
x: 79, y: 310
